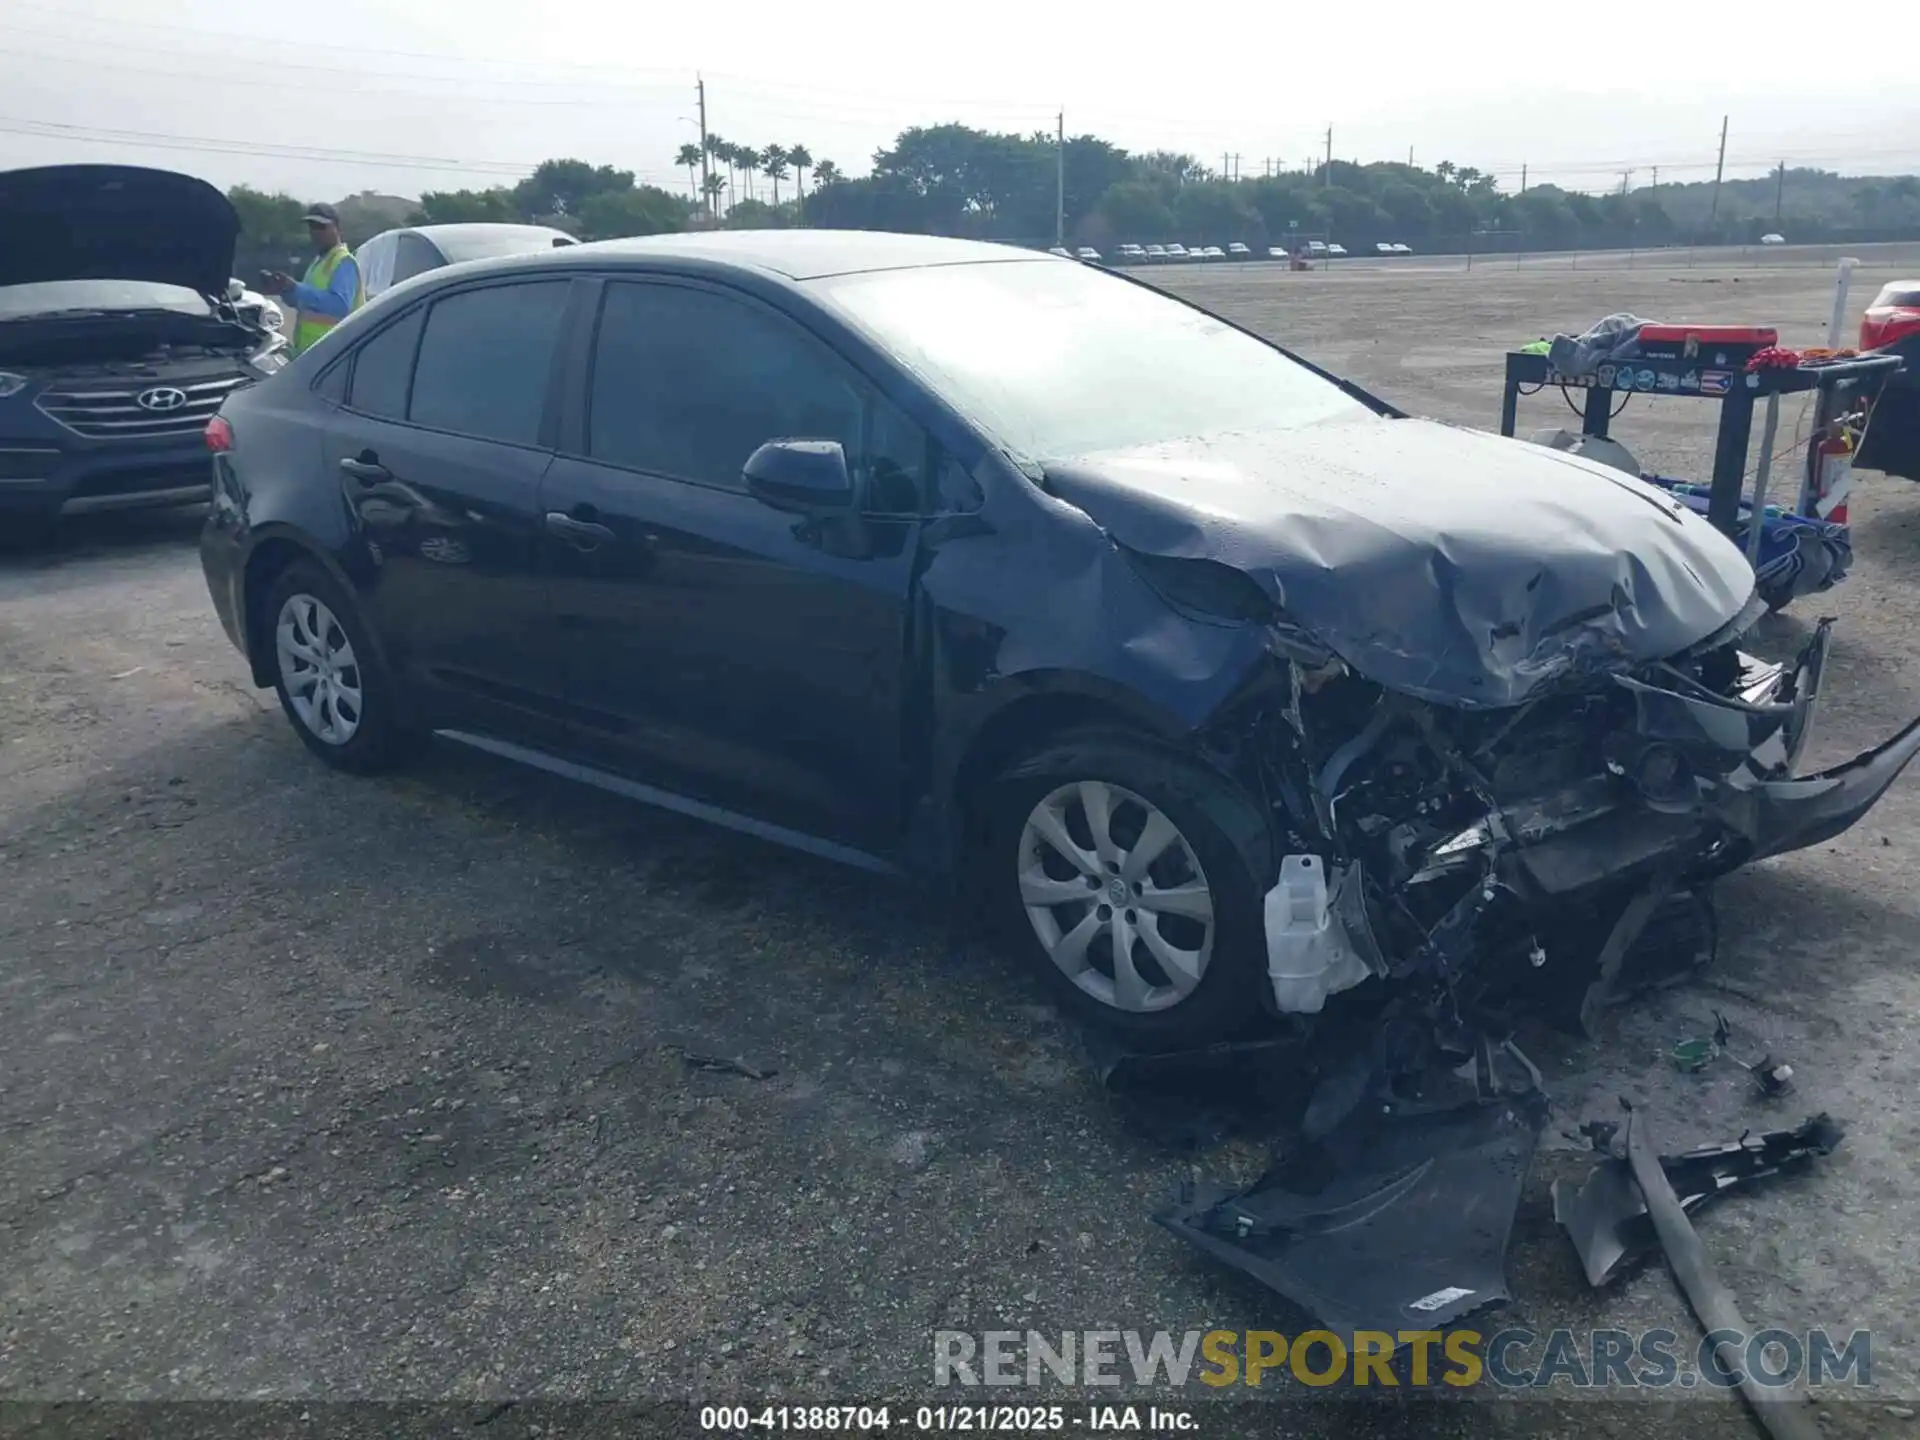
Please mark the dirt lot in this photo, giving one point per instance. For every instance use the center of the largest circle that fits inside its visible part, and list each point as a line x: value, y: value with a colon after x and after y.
x: 313, y: 1087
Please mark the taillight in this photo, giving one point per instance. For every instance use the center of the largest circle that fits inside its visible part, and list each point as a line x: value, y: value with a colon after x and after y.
x: 219, y: 435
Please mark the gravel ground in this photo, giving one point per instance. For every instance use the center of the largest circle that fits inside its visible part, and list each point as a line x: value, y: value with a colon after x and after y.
x: 317, y: 1088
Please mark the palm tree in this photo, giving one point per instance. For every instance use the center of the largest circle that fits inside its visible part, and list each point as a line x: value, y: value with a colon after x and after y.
x: 773, y: 165
x: 1444, y: 170
x: 713, y: 185
x: 748, y: 159
x: 721, y: 150
x: 825, y: 172
x: 690, y: 156
x: 801, y: 159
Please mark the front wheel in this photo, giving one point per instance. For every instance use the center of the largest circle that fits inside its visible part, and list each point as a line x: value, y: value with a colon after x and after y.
x: 329, y: 677
x: 1127, y: 875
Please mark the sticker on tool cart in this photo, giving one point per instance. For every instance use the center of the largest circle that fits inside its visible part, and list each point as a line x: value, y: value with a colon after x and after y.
x: 1715, y: 382
x: 1645, y: 380
x: 1556, y: 378
x: 1439, y: 1299
x: 1690, y: 380
x: 1605, y: 375
x: 1623, y: 380
x: 1669, y: 382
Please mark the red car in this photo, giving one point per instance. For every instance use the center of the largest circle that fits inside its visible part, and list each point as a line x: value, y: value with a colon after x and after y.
x: 1895, y: 312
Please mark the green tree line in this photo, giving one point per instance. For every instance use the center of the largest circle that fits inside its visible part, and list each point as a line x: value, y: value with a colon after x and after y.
x: 955, y: 180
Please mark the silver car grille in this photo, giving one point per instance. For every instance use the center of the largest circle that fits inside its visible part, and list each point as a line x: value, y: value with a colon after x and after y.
x: 108, y: 410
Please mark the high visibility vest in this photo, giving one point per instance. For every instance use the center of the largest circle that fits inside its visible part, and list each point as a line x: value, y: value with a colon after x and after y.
x: 310, y: 328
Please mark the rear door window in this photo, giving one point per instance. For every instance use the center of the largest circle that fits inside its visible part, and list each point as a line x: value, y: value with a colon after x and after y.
x: 383, y: 368
x: 485, y: 358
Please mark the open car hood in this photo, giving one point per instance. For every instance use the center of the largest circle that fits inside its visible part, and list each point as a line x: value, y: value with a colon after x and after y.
x: 115, y: 222
x: 1452, y: 565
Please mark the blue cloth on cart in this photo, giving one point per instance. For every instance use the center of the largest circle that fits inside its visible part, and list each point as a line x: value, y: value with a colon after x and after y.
x: 1799, y: 554
x: 1617, y: 337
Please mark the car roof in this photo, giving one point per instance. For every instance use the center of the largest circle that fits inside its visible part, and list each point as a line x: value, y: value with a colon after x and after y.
x: 481, y: 232
x: 799, y: 254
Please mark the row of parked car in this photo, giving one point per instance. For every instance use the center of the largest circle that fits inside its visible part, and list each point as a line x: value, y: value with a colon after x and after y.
x: 1151, y: 254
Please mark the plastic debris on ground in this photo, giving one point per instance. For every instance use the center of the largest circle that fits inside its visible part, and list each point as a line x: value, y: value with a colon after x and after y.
x: 1605, y: 1215
x: 1393, y: 1209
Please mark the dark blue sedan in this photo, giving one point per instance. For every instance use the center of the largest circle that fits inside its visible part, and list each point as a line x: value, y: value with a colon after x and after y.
x: 1228, y: 688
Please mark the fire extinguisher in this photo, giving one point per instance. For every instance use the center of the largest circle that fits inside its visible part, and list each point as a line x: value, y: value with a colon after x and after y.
x: 1833, y: 472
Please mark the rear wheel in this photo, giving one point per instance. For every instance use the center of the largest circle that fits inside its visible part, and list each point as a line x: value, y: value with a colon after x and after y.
x: 328, y: 675
x: 1127, y: 875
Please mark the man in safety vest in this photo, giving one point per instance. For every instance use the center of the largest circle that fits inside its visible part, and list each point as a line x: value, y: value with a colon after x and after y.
x: 331, y: 290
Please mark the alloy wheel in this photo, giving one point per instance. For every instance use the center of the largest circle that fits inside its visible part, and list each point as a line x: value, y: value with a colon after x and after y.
x: 319, y: 669
x: 1116, y: 896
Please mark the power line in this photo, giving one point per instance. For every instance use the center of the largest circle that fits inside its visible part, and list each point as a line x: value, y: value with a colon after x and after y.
x: 54, y: 130
x: 825, y: 101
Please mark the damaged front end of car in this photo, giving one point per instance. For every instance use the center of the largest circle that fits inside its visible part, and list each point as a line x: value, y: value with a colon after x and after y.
x: 1494, y: 703
x: 1428, y: 843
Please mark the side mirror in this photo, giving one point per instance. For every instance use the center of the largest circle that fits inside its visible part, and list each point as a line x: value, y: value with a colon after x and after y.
x: 803, y: 477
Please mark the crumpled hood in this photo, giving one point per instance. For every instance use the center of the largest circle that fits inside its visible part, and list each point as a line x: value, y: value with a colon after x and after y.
x: 115, y: 222
x: 1450, y: 564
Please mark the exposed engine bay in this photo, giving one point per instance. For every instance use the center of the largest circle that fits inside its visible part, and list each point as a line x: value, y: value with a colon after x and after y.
x: 106, y: 338
x: 1450, y: 846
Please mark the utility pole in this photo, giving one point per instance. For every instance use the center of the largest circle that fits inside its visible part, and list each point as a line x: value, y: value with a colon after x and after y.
x: 1656, y: 177
x: 1409, y: 157
x: 1329, y: 169
x: 706, y: 155
x: 1779, y: 189
x: 1060, y: 181
x: 1719, y: 169
x: 1626, y: 181
x: 1523, y: 177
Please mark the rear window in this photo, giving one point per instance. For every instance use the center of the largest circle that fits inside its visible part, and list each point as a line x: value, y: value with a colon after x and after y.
x: 485, y: 358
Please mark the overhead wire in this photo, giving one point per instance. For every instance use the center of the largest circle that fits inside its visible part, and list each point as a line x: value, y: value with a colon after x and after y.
x: 596, y: 86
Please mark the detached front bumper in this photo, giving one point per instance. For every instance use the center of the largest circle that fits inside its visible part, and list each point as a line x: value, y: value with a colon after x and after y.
x: 1701, y: 783
x: 1752, y: 746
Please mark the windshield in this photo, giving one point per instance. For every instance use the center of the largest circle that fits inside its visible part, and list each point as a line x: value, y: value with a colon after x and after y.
x: 48, y: 297
x: 1062, y: 360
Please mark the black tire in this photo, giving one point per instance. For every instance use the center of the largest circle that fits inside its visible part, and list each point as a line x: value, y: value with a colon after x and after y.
x: 379, y: 740
x: 1224, y: 831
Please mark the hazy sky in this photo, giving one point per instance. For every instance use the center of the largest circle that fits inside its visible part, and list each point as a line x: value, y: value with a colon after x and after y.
x: 427, y: 94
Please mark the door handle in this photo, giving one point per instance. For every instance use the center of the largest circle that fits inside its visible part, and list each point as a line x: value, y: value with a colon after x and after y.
x: 367, y: 472
x: 581, y: 534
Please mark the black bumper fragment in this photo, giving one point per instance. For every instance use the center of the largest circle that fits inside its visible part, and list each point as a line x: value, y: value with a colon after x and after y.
x: 1400, y: 1222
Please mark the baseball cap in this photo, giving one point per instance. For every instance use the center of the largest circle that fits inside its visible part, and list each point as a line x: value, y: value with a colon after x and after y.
x: 321, y: 214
